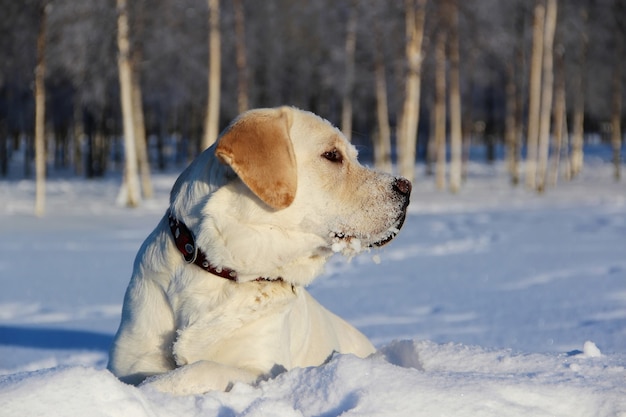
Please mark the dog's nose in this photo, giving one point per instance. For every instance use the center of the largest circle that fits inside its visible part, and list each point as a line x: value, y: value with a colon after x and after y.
x: 402, y: 185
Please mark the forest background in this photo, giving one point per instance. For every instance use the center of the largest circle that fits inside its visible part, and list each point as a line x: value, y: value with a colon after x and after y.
x: 93, y: 87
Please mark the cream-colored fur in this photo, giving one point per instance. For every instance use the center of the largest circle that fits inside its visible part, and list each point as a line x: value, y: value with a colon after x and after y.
x: 275, y: 197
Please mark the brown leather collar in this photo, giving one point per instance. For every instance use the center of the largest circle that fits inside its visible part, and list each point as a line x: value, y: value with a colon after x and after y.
x: 186, y: 244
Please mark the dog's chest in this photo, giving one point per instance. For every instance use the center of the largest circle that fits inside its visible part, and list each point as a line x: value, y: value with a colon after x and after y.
x: 211, y: 318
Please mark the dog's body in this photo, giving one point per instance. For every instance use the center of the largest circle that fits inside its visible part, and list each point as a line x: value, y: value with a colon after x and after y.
x: 278, y: 194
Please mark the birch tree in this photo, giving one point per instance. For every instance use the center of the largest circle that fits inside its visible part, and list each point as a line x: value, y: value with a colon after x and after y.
x: 547, y: 89
x: 560, y: 122
x: 514, y: 98
x: 382, y: 144
x: 141, y: 140
x: 130, y: 193
x: 4, y: 151
x: 440, y: 109
x: 456, y: 132
x: 576, y: 155
x: 534, y: 95
x: 407, y: 137
x: 348, y: 85
x: 241, y: 59
x: 616, y: 99
x: 40, y: 111
x: 140, y: 134
x: 211, y: 129
x: 469, y: 68
x: 510, y: 126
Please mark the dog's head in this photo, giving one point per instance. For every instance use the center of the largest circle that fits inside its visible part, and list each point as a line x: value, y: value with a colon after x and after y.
x: 295, y: 195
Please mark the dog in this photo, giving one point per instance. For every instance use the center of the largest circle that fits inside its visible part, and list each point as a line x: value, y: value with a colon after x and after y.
x: 217, y: 295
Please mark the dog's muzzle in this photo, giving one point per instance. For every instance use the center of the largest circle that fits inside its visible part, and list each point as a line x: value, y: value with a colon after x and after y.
x: 403, y: 188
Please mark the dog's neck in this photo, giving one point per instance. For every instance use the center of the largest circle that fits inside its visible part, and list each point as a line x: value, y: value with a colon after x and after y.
x: 186, y: 244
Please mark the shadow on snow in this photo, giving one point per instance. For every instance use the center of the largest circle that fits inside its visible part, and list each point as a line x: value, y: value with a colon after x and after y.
x: 44, y: 338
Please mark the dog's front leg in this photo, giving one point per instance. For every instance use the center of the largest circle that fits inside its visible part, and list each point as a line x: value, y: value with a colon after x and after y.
x: 200, y: 377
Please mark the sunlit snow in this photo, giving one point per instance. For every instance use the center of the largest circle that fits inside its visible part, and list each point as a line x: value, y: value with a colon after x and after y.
x: 493, y: 302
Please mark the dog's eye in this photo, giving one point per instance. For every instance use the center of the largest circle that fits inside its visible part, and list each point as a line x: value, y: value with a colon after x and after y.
x: 333, y: 156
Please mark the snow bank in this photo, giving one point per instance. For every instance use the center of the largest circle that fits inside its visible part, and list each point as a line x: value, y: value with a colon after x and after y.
x: 405, y: 378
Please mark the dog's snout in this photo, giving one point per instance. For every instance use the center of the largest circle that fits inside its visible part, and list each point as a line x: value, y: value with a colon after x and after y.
x: 402, y: 186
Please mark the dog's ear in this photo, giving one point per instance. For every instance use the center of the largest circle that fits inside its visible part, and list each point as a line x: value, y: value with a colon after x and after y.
x: 258, y: 148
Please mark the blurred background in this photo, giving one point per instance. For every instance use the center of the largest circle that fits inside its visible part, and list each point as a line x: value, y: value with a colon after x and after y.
x: 407, y: 81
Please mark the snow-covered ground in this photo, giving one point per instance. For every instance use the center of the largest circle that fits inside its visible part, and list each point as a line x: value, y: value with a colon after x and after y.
x: 493, y: 302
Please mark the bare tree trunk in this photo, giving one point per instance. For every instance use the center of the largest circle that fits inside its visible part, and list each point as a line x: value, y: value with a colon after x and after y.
x: 440, y: 109
x: 130, y: 192
x: 141, y: 140
x: 4, y: 149
x: 382, y: 144
x: 616, y: 100
x: 534, y: 95
x: 468, y: 134
x: 78, y: 133
x: 140, y: 135
x: 242, y: 65
x: 29, y: 151
x: 431, y: 145
x: 467, y: 125
x: 560, y: 121
x: 566, y: 146
x: 40, y: 112
x: 456, y: 132
x: 519, y: 99
x: 59, y: 136
x: 211, y: 129
x: 415, y: 15
x: 346, y: 105
x: 510, y: 127
x: 101, y: 144
x: 546, y: 95
x: 576, y: 158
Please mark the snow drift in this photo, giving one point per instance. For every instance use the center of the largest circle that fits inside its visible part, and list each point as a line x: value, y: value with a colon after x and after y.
x: 406, y: 378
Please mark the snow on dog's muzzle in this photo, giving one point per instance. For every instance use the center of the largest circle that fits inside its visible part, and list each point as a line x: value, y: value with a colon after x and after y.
x: 350, y: 243
x: 403, y: 188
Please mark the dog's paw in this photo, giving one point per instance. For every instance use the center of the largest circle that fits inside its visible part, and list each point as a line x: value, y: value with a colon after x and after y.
x: 198, y: 378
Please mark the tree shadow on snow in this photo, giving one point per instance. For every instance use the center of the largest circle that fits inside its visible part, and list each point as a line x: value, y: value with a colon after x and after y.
x: 44, y: 338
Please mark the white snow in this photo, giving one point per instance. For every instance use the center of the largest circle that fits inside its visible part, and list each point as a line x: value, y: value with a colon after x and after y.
x: 348, y: 247
x: 493, y: 302
x: 590, y: 350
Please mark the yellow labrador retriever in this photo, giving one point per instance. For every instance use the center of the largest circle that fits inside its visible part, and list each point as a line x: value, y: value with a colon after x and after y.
x: 217, y: 293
